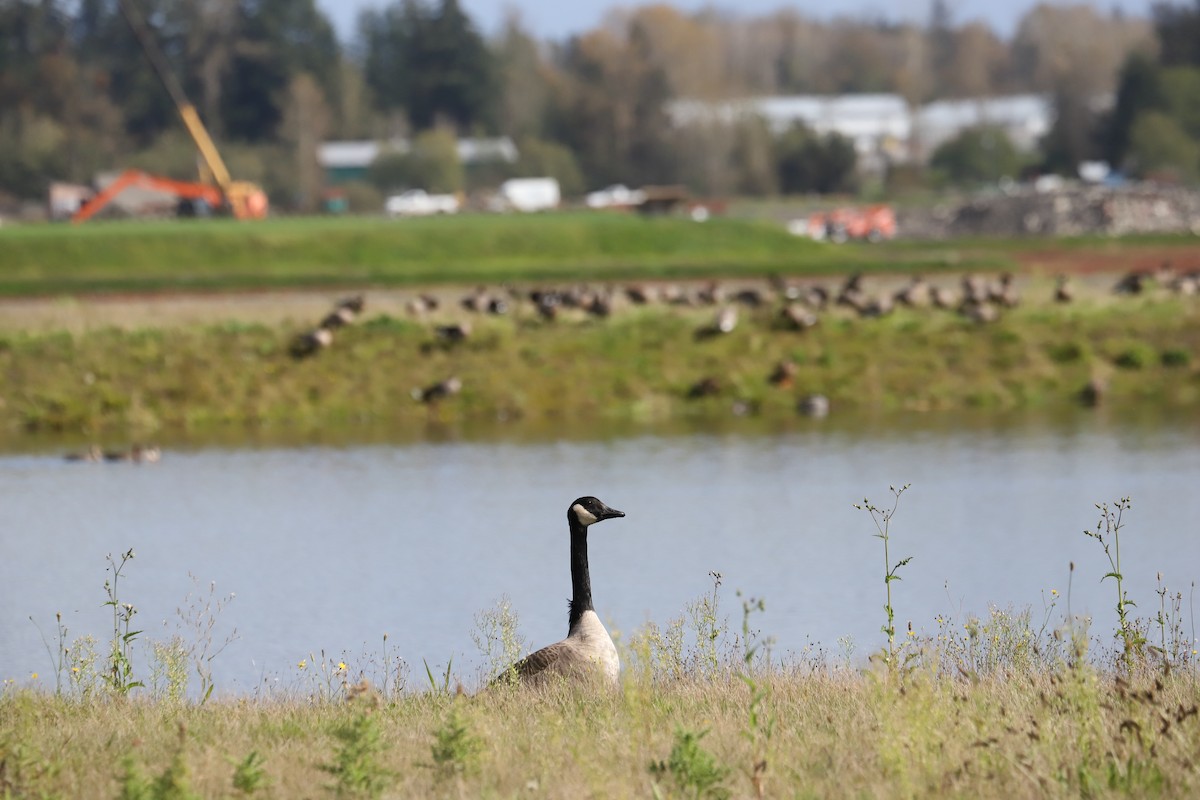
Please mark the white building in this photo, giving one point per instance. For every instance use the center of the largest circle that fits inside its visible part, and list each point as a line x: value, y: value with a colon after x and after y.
x: 882, y: 126
x: 348, y: 160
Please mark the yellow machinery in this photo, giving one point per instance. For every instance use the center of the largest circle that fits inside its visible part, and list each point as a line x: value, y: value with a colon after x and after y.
x: 244, y: 200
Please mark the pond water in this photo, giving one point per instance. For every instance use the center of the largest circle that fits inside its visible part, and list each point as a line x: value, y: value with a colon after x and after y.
x: 331, y: 547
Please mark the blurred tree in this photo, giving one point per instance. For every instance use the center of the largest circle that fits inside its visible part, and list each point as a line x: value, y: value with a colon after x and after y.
x: 1160, y: 148
x: 431, y: 163
x: 1178, y: 29
x: 539, y: 158
x: 430, y: 62
x: 812, y: 163
x: 524, y: 85
x: 979, y: 66
x: 1076, y: 134
x: 753, y: 158
x: 1138, y: 90
x: 610, y: 108
x: 943, y: 48
x: 305, y: 122
x: 278, y: 40
x: 859, y: 62
x: 1074, y: 48
x: 979, y: 155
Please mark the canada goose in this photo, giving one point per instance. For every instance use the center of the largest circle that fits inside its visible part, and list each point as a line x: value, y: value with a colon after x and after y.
x: 641, y: 295
x: 944, y: 297
x: 422, y: 304
x: 1063, y: 293
x: 814, y: 405
x: 783, y: 374
x: 92, y: 455
x: 981, y: 313
x: 852, y: 286
x: 137, y: 454
x: 705, y: 387
x: 916, y: 293
x: 974, y: 289
x: 310, y: 343
x: 1132, y: 283
x: 455, y: 332
x: 1003, y: 292
x: 797, y: 318
x: 354, y: 305
x: 724, y: 322
x: 710, y: 294
x: 588, y: 647
x: 437, y: 391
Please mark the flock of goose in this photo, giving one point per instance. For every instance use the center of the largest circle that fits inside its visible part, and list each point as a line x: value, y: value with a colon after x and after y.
x: 137, y: 454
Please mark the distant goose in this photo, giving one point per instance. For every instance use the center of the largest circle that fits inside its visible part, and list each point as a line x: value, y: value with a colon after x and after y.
x: 454, y: 332
x: 92, y: 455
x: 705, y: 387
x: 310, y: 343
x: 724, y: 322
x: 588, y: 648
x: 1132, y: 283
x: 438, y: 391
x: 783, y: 374
x: 796, y: 317
x: 1063, y: 293
x: 136, y: 454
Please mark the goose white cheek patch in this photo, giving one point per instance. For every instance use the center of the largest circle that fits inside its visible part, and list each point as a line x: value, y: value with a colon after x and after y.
x: 584, y: 516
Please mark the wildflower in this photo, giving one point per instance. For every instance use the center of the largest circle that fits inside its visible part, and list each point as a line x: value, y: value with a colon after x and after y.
x: 302, y: 663
x: 33, y: 677
x: 1054, y: 592
x: 74, y: 669
x: 341, y: 666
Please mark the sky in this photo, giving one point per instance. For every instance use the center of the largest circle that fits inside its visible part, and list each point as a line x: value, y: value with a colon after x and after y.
x: 558, y: 19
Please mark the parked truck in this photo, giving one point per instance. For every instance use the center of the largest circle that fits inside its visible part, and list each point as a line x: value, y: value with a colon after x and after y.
x: 528, y: 194
x: 419, y: 203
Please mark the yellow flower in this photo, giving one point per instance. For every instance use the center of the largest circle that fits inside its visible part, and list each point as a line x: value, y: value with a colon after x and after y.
x: 1054, y: 592
x: 33, y: 676
x: 341, y: 666
x: 74, y: 669
x: 302, y: 663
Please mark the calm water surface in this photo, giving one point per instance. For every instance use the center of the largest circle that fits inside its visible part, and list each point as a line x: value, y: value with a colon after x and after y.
x: 332, y: 547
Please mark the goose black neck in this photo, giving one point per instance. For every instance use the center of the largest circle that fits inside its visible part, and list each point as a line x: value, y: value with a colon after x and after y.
x: 581, y: 579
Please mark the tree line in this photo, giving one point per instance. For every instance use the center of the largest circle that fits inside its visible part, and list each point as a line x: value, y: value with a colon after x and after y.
x: 271, y: 80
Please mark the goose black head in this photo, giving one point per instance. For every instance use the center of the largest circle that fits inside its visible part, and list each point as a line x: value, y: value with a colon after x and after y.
x: 588, y: 510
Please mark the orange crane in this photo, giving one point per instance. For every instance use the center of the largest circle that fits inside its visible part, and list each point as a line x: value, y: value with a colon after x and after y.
x: 243, y: 199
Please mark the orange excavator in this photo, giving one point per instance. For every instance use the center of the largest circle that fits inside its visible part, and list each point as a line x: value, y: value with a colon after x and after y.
x: 218, y: 190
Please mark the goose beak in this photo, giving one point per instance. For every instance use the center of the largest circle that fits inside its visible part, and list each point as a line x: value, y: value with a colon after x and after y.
x: 610, y: 513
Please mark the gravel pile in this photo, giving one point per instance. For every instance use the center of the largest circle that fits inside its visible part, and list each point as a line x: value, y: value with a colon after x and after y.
x: 1068, y: 211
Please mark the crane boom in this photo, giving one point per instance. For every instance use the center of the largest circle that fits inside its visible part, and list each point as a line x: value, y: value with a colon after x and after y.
x: 245, y: 199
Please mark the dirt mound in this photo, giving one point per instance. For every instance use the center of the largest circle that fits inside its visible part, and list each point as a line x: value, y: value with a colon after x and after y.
x: 1066, y: 211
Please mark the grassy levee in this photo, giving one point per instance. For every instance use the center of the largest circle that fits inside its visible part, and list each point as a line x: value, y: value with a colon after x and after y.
x: 317, y: 251
x: 220, y: 254
x: 638, y: 366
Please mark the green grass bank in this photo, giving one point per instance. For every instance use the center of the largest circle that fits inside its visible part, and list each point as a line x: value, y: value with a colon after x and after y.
x: 641, y: 366
x: 318, y: 251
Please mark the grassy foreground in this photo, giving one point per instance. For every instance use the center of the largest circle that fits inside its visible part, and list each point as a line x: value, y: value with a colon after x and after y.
x: 1073, y: 734
x: 1007, y: 705
x: 344, y: 252
x: 640, y: 366
x: 1012, y: 703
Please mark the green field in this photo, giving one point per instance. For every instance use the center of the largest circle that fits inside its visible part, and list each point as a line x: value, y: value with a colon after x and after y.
x: 318, y: 251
